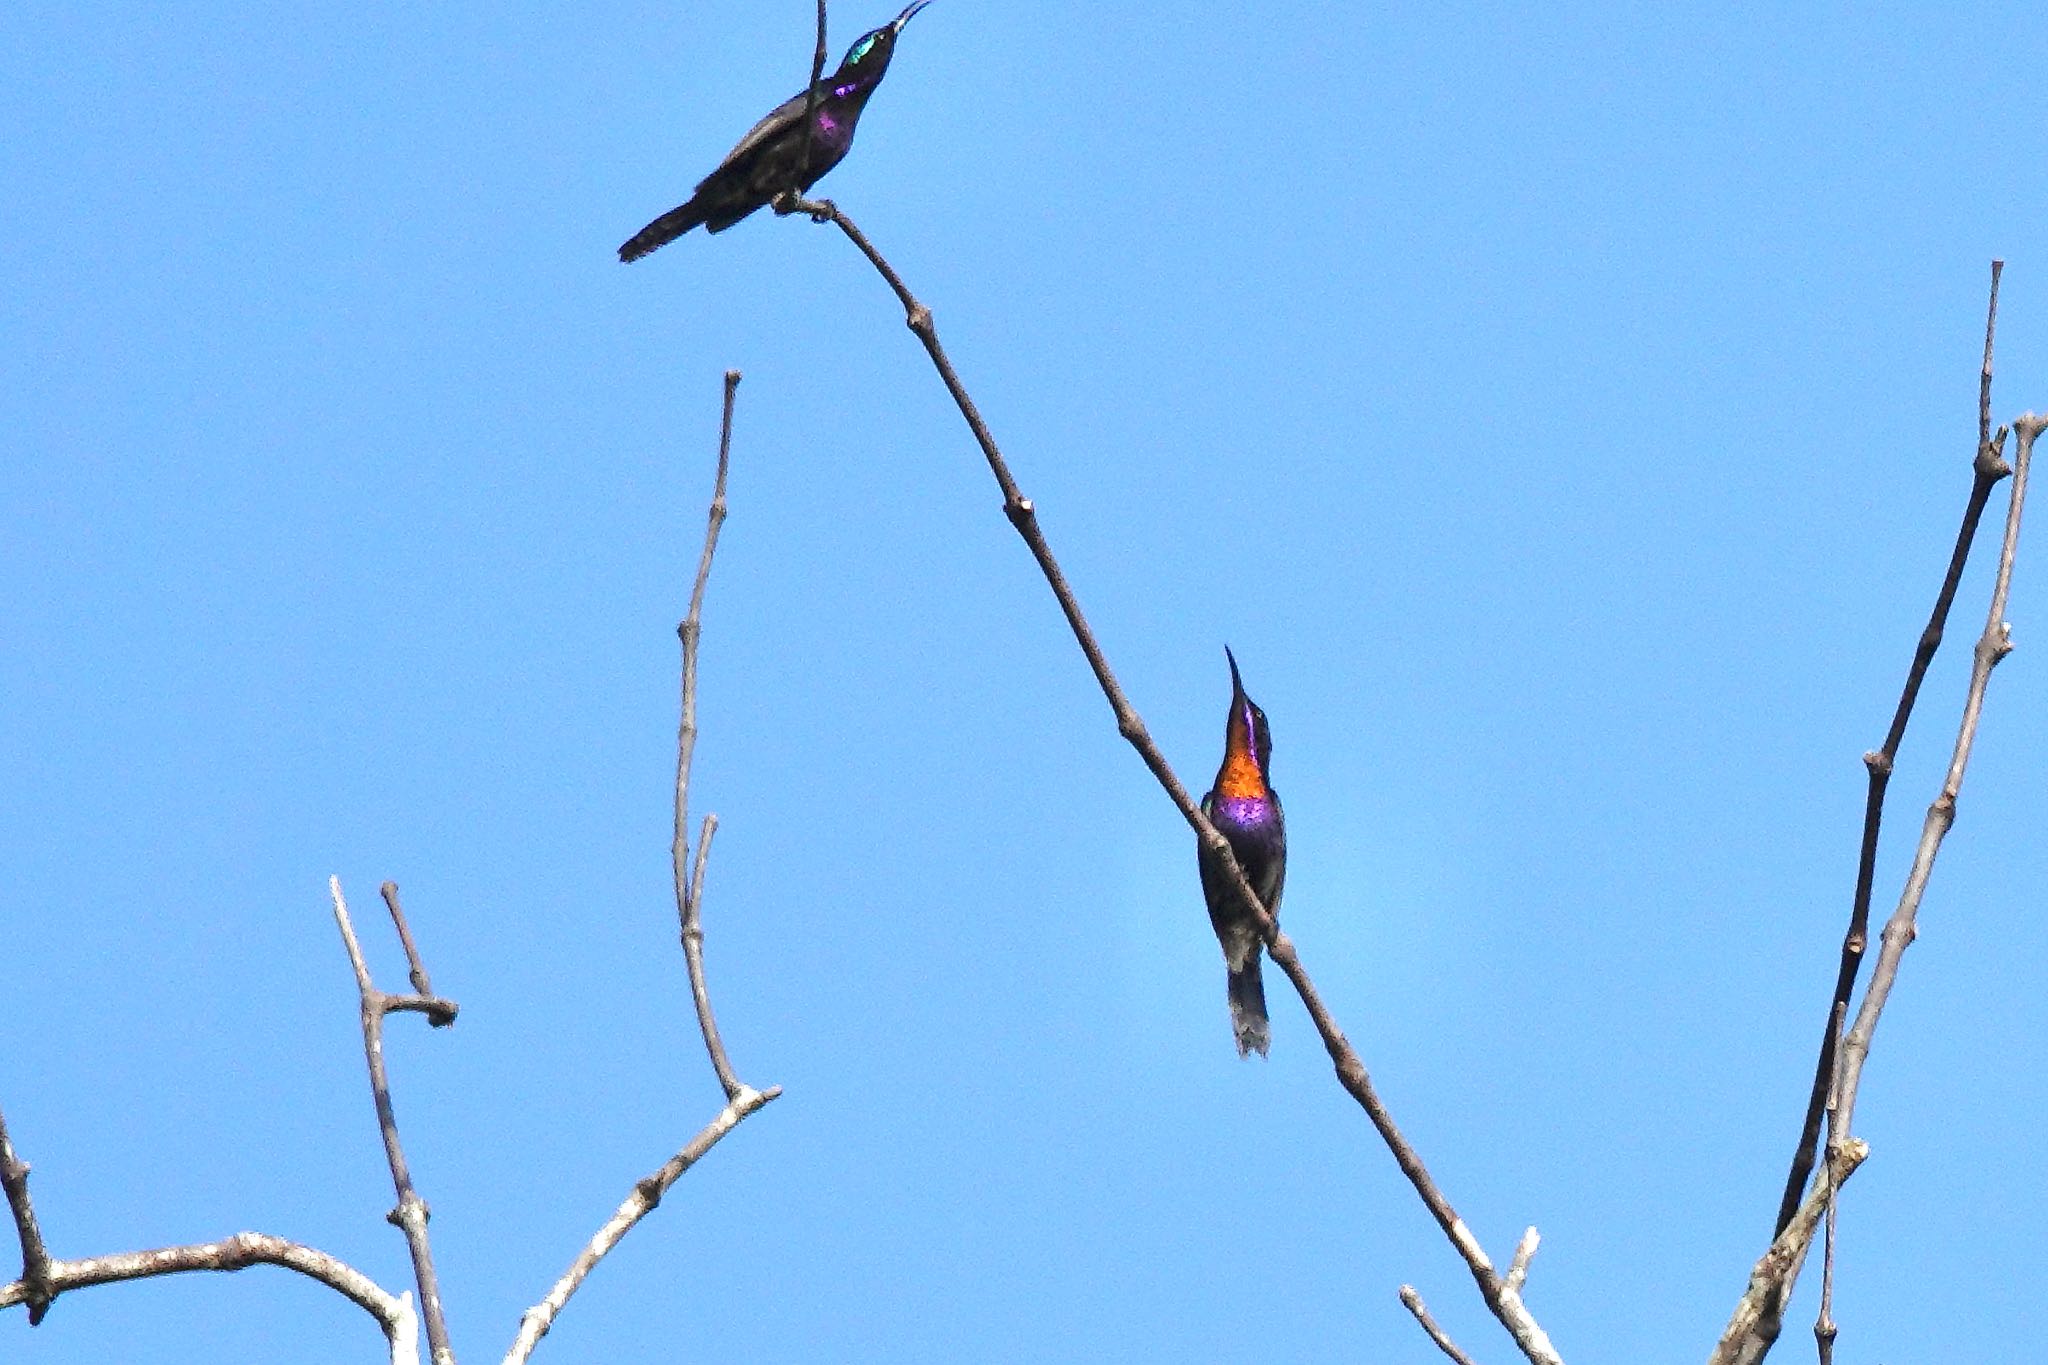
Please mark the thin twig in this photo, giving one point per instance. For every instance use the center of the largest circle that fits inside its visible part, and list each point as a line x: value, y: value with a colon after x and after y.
x: 1753, y: 1327
x: 1984, y: 376
x: 1505, y: 1303
x: 1988, y: 467
x: 741, y: 1099
x: 1525, y: 1252
x: 647, y: 1193
x: 416, y: 969
x: 410, y: 1214
x: 1436, y: 1333
x: 811, y: 105
x: 39, y: 1286
x: 689, y: 887
x: 1824, y: 1330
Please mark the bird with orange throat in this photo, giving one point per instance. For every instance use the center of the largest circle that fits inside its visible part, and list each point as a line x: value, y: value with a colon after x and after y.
x: 1245, y: 810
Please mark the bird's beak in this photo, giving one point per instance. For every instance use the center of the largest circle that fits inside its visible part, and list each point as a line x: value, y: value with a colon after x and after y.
x: 1236, y: 683
x: 907, y: 15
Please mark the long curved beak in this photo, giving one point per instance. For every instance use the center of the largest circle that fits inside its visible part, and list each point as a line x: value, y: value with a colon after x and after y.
x: 1236, y: 683
x: 907, y: 15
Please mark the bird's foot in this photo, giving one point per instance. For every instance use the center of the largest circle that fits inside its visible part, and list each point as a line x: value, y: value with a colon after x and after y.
x: 789, y: 201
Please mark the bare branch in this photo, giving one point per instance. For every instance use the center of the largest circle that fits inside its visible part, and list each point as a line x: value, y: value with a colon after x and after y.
x: 1984, y: 376
x: 238, y: 1252
x: 1436, y: 1333
x: 1525, y: 1252
x: 689, y: 885
x: 37, y: 1285
x: 43, y: 1278
x: 1753, y: 1327
x: 1831, y: 1179
x: 1505, y: 1303
x: 1988, y: 467
x: 411, y: 1214
x: 647, y: 1193
x: 741, y: 1099
x: 811, y: 105
x: 422, y: 986
x: 1993, y: 645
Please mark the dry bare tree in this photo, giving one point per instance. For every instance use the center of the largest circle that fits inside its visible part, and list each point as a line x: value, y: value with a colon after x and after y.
x: 402, y: 1315
x: 1827, y: 1154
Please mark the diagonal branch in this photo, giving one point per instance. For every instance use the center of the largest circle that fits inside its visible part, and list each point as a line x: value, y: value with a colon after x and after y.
x: 536, y: 1322
x: 1993, y: 645
x: 1504, y: 1301
x: 411, y: 1214
x: 1988, y: 468
x: 438, y: 1018
x: 1413, y: 1302
x: 1753, y: 1330
x: 44, y: 1278
x: 1758, y: 1315
x: 741, y: 1099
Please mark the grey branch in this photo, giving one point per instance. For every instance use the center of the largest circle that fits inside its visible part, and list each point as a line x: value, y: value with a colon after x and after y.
x: 689, y: 882
x: 646, y: 1195
x: 1753, y: 1327
x: 1525, y: 1252
x: 1436, y: 1334
x: 37, y: 1284
x: 1504, y: 1302
x: 741, y: 1099
x: 1993, y: 645
x: 410, y: 1215
x: 1987, y: 468
x: 44, y: 1278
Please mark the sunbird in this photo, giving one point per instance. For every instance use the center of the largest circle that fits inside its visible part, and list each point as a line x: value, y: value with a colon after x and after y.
x: 771, y: 158
x: 1245, y: 810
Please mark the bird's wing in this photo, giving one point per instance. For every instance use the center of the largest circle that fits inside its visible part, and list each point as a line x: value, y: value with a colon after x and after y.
x: 1212, y: 888
x: 783, y: 116
x: 1279, y: 862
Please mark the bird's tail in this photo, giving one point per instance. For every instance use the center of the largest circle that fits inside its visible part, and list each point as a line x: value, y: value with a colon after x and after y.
x: 663, y: 230
x: 1248, y: 1009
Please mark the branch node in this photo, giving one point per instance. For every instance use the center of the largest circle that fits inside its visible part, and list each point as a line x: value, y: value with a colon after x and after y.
x: 1991, y: 464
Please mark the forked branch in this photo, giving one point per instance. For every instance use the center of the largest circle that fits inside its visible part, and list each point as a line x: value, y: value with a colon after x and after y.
x: 741, y: 1099
x: 1754, y: 1328
x: 410, y: 1214
x: 1987, y: 468
x: 1504, y: 1301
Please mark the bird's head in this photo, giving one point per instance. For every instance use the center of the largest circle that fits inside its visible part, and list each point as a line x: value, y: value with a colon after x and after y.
x: 868, y: 58
x: 1247, y: 743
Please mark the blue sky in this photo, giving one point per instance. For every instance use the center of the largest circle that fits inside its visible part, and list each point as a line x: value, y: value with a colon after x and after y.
x: 1564, y: 413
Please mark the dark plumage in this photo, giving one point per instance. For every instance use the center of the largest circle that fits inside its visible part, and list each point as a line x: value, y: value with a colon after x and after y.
x: 770, y: 158
x: 1245, y: 810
